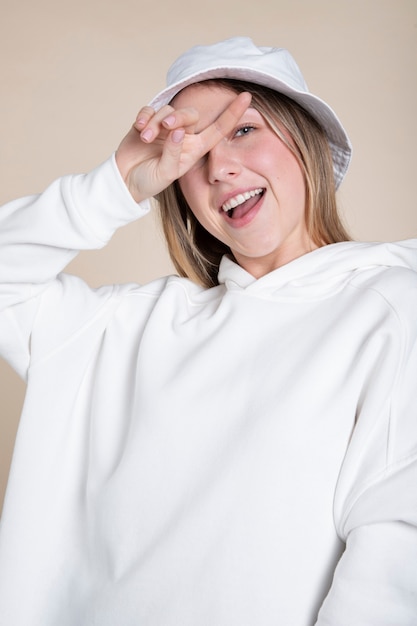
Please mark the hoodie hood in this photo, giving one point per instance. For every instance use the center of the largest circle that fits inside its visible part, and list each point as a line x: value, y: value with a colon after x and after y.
x: 322, y: 271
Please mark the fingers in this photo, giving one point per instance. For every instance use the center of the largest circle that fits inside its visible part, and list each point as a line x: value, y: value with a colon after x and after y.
x: 152, y: 123
x: 186, y: 118
x: 169, y: 163
x: 143, y: 117
x: 163, y: 145
x: 184, y: 148
x: 226, y: 121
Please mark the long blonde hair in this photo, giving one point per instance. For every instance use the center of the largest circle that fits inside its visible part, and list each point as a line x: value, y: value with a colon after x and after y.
x: 195, y: 253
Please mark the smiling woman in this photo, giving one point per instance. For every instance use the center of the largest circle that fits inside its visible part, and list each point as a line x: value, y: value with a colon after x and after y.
x: 235, y: 445
x: 268, y: 229
x: 284, y: 133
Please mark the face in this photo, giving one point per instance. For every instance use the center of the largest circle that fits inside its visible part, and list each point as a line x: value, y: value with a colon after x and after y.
x: 249, y: 190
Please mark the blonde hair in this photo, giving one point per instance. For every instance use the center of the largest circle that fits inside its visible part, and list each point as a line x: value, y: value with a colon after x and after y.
x: 195, y: 253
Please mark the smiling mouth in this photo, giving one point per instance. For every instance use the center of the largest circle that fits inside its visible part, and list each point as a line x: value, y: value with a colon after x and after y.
x: 242, y: 203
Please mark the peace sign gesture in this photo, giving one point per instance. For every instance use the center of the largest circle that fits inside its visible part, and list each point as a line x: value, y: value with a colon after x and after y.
x: 162, y: 146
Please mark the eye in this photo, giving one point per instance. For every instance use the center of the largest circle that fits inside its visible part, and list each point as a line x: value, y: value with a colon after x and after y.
x: 244, y: 130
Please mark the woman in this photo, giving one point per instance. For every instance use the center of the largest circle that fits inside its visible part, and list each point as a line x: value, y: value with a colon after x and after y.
x: 236, y: 445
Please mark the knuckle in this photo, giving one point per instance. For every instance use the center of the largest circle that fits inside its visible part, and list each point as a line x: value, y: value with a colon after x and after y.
x: 147, y: 111
x: 165, y: 110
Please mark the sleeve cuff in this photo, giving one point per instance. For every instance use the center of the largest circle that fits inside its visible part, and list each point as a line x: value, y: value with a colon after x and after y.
x: 102, y: 200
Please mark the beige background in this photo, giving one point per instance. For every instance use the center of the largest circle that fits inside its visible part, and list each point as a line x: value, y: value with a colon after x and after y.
x: 73, y: 74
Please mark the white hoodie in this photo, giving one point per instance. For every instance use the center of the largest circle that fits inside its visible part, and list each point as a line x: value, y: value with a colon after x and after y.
x: 191, y: 457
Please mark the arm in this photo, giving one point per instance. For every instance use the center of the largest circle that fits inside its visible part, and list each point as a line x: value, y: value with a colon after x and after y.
x: 375, y: 582
x: 39, y: 235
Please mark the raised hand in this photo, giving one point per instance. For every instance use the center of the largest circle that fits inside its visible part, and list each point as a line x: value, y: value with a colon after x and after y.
x: 162, y: 146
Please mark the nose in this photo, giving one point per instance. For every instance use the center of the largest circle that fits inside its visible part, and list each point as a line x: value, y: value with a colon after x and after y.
x: 222, y: 163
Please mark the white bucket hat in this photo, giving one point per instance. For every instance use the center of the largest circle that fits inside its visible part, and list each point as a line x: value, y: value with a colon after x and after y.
x: 275, y: 68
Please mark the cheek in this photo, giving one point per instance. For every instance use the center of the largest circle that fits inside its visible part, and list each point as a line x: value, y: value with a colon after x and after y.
x: 287, y: 178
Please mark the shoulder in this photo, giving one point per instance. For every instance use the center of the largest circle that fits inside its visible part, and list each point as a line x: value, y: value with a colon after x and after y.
x: 390, y: 281
x: 396, y: 290
x: 388, y: 268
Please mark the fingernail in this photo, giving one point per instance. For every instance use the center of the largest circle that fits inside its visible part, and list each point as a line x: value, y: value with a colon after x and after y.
x: 140, y: 121
x: 170, y: 120
x: 147, y: 135
x: 178, y: 135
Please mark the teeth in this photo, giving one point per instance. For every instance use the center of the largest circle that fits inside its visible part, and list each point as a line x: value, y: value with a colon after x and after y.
x: 240, y: 199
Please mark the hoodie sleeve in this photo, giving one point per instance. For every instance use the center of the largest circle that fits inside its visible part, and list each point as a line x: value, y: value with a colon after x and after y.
x: 40, y: 235
x: 375, y: 581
